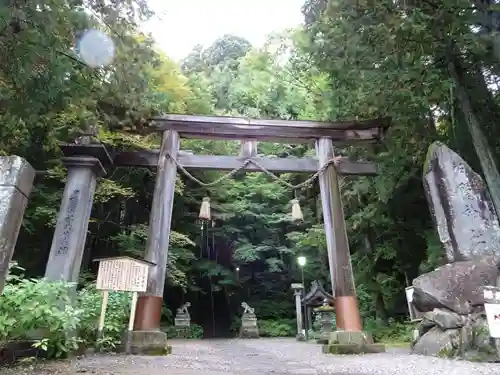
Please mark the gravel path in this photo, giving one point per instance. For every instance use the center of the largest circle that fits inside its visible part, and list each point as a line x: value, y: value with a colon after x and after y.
x: 257, y: 357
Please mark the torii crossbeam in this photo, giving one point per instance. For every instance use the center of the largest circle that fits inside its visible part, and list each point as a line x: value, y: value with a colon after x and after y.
x: 293, y: 132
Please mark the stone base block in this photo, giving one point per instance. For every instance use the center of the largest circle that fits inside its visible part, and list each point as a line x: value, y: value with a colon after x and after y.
x: 351, y: 342
x: 350, y: 337
x: 249, y: 333
x: 149, y: 343
x: 300, y: 337
x: 353, y: 348
x: 249, y: 328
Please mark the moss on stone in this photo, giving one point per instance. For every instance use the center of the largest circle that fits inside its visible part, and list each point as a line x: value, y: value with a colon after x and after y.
x: 446, y: 352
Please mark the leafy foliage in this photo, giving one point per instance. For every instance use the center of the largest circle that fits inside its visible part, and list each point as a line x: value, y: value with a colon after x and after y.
x: 49, y: 313
x: 194, y: 331
x: 277, y: 328
x: 90, y: 301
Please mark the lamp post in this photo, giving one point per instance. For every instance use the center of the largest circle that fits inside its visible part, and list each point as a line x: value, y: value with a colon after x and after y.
x: 301, y: 260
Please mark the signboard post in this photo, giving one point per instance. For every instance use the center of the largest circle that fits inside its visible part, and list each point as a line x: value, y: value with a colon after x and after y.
x: 492, y: 309
x: 102, y: 317
x: 121, y: 274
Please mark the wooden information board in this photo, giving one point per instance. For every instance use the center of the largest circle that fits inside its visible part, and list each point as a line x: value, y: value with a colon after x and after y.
x: 121, y: 274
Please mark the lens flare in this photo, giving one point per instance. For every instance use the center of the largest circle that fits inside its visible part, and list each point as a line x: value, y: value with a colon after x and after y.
x: 96, y: 48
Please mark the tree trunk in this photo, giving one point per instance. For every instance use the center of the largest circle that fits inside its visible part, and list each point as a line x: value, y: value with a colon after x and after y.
x: 465, y: 83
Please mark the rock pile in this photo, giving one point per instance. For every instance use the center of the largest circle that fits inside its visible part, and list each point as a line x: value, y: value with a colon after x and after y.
x: 454, y: 323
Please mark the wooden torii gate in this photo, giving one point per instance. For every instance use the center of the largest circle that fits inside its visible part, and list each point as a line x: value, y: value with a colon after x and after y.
x: 325, y: 135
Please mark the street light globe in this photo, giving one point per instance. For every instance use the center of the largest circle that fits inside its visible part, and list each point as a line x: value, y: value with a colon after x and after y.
x: 301, y: 261
x: 237, y: 269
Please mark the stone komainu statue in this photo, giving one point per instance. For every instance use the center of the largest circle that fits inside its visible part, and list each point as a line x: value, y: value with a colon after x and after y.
x: 248, y: 309
x: 184, y: 308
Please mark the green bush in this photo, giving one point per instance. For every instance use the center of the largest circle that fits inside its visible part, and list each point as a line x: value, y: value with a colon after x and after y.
x: 117, y: 315
x: 392, y: 331
x: 195, y: 331
x: 269, y: 327
x: 277, y: 328
x: 56, y: 317
x: 35, y: 308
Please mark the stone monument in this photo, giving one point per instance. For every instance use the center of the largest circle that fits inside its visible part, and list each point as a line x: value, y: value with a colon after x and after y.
x: 85, y: 162
x: 16, y: 182
x: 460, y: 206
x: 249, y: 328
x: 450, y: 298
x: 183, y: 320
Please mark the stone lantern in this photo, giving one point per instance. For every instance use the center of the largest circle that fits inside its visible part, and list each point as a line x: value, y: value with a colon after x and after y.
x: 326, y: 320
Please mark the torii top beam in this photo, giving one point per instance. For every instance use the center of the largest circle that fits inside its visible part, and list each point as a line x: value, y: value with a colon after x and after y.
x: 236, y: 128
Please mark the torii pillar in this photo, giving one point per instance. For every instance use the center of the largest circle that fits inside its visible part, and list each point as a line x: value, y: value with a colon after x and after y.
x: 147, y: 337
x: 349, y: 337
x: 339, y: 258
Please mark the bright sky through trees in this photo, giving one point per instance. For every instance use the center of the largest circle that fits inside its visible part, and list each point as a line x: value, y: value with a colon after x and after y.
x: 180, y: 25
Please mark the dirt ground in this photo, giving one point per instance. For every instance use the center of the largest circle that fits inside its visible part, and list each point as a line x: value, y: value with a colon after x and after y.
x: 255, y: 357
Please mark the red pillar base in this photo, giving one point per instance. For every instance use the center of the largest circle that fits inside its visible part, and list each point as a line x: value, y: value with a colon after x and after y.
x: 148, y: 313
x: 347, y: 314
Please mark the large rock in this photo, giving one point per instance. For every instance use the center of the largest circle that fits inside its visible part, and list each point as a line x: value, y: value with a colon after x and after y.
x: 460, y: 205
x: 456, y: 286
x: 437, y: 342
x: 446, y: 319
x: 443, y: 319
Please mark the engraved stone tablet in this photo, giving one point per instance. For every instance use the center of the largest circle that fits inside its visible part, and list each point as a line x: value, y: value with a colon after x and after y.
x: 460, y: 205
x: 16, y: 181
